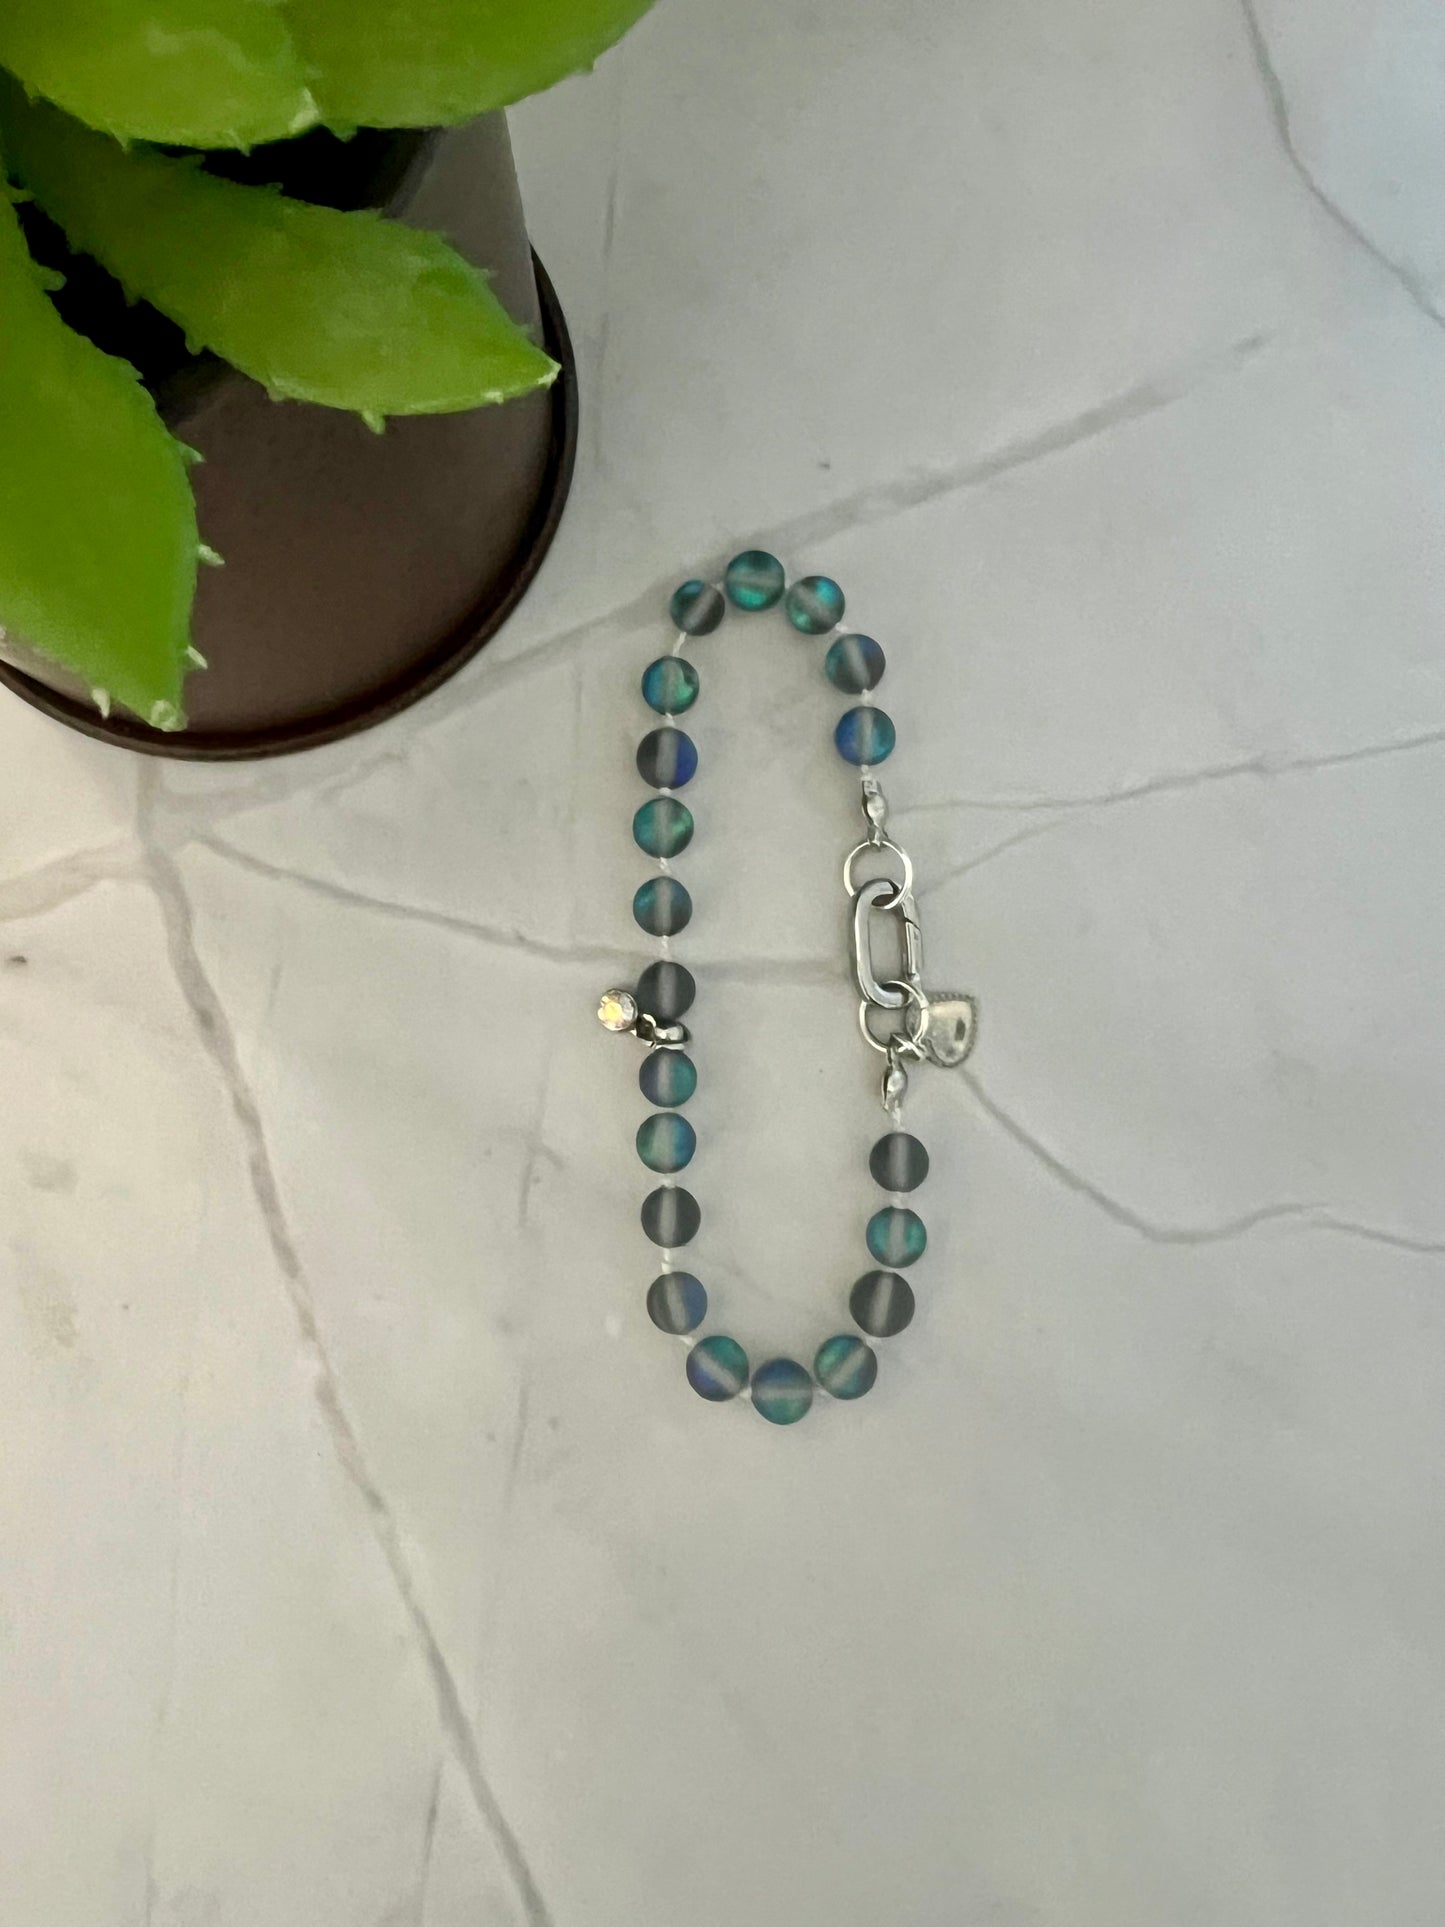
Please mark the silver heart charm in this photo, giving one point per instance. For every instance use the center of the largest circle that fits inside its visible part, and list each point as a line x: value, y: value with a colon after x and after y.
x: 952, y: 1027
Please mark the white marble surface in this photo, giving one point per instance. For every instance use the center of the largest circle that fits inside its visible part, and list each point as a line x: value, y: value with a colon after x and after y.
x: 365, y: 1561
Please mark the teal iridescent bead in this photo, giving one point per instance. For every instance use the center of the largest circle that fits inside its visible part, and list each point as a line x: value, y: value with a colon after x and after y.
x: 697, y: 608
x: 667, y: 1077
x: 755, y: 580
x: 717, y: 1368
x: 666, y: 1142
x: 671, y: 1216
x: 662, y: 907
x: 882, y: 1303
x: 865, y: 735
x: 676, y: 1303
x: 663, y: 827
x: 896, y: 1236
x: 898, y: 1161
x: 670, y: 685
x: 815, y: 605
x: 782, y: 1391
x: 667, y: 758
x: 666, y: 990
x: 853, y: 664
x: 845, y: 1366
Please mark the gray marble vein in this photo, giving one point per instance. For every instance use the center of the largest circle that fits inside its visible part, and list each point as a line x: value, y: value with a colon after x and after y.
x: 219, y: 1041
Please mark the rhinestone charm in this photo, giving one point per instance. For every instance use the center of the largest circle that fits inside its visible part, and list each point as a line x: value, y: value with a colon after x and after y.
x: 617, y: 1010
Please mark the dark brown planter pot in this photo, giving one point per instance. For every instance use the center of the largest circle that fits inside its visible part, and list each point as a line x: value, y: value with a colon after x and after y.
x: 361, y: 570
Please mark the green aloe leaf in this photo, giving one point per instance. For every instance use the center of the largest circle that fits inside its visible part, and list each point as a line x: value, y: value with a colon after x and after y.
x: 97, y: 521
x: 198, y: 73
x: 380, y: 64
x: 345, y: 309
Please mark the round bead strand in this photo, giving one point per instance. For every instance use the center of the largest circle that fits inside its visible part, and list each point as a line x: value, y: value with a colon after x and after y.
x: 845, y: 1366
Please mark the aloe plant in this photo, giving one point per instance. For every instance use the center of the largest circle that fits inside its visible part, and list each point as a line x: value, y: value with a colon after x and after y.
x: 98, y: 538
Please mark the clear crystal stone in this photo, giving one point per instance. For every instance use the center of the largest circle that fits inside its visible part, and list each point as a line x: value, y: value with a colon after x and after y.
x: 617, y: 1010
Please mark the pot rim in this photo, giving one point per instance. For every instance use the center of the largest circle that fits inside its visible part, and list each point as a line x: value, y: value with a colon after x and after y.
x: 450, y: 652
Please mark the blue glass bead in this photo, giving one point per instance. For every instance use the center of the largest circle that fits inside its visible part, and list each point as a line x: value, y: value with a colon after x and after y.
x: 853, y: 664
x: 896, y: 1236
x: 815, y: 605
x: 667, y: 758
x: 755, y: 580
x: 697, y: 608
x: 666, y: 1142
x: 782, y: 1391
x: 846, y: 1367
x: 663, y: 907
x: 671, y: 1216
x: 898, y: 1162
x: 666, y: 990
x: 670, y: 685
x: 667, y: 1077
x: 865, y: 735
x: 882, y: 1303
x: 717, y: 1368
x: 676, y: 1303
x: 663, y: 827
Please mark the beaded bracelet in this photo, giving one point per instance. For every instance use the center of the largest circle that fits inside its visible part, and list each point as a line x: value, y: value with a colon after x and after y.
x: 897, y: 1016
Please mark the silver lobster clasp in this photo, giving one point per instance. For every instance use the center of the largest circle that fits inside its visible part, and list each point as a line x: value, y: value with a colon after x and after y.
x: 890, y: 898
x: 939, y: 1026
